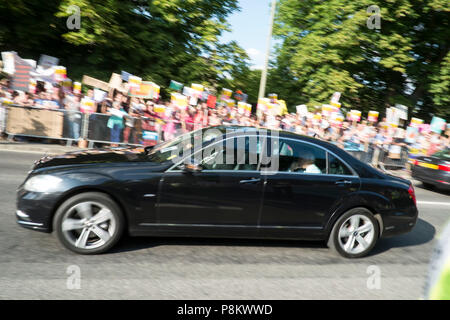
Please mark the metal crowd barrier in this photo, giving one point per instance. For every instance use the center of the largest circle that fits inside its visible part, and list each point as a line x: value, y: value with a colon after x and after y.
x: 388, y: 161
x: 61, y: 124
x: 36, y: 122
x: 2, y: 119
x: 104, y: 129
x: 382, y: 158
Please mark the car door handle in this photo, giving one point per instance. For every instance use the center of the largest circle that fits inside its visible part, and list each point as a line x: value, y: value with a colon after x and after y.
x: 343, y: 182
x: 250, y: 181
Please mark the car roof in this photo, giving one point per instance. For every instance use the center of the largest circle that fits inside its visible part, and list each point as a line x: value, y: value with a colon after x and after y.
x: 281, y: 133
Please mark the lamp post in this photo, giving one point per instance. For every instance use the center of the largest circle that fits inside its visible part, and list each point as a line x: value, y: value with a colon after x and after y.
x: 262, y: 84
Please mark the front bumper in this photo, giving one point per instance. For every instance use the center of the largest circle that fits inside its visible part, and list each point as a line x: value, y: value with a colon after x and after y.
x: 35, y: 210
x: 24, y: 221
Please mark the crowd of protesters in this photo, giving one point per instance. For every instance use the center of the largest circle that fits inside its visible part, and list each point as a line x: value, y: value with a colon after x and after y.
x: 124, y: 119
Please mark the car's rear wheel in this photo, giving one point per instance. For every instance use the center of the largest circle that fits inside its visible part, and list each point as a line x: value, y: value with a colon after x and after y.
x: 427, y: 185
x: 89, y: 223
x: 354, y: 234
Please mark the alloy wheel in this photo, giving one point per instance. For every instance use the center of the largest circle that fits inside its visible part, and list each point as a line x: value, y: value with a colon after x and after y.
x: 88, y: 225
x: 356, y: 234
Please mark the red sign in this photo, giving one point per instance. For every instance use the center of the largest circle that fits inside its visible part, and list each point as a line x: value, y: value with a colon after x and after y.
x: 211, y: 101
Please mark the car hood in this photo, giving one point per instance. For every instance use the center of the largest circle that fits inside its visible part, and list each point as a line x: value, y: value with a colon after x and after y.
x: 95, y: 156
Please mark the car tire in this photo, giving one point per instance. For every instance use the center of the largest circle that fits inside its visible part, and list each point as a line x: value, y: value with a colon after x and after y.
x: 89, y: 223
x: 427, y: 186
x: 354, y: 234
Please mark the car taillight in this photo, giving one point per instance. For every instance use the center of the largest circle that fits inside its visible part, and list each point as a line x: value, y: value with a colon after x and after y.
x: 444, y: 168
x: 412, y: 193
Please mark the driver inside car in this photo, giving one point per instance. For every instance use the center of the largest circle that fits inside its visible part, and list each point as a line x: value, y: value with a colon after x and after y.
x: 305, y: 164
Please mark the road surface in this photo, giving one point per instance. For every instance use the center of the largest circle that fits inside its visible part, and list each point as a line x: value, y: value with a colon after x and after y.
x: 34, y: 265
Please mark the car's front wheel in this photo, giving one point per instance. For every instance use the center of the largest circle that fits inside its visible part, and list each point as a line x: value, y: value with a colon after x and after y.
x: 89, y: 223
x: 354, y: 234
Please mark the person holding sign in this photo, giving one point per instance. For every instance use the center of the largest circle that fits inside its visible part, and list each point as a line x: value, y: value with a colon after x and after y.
x: 115, y: 122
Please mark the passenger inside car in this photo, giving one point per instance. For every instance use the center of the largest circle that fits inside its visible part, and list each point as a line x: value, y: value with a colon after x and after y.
x: 305, y: 164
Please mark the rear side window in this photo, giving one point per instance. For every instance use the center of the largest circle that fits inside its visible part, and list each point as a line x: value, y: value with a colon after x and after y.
x: 336, y: 166
x: 299, y: 157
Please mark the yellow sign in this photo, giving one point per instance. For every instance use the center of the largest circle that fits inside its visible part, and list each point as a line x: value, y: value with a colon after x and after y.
x: 428, y: 165
x: 335, y: 104
x: 179, y: 100
x: 197, y: 87
x: 373, y: 116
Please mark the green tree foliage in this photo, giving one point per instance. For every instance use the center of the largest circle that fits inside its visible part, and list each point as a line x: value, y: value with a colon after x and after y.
x: 158, y: 40
x: 327, y: 47
x: 440, y: 88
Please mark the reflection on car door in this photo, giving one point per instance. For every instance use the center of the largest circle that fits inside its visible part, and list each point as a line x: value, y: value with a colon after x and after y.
x: 301, y: 201
x: 227, y: 195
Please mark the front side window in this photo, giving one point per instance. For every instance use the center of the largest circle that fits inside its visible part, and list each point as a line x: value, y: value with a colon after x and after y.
x: 183, y: 145
x: 295, y: 156
x: 240, y: 153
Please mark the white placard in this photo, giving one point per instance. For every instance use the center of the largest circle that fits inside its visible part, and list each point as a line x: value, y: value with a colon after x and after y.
x: 302, y: 110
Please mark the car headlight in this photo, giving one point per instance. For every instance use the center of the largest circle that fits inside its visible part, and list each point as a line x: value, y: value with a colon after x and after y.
x: 42, y: 183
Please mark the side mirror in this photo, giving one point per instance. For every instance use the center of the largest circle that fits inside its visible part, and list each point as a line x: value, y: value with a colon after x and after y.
x: 192, y: 168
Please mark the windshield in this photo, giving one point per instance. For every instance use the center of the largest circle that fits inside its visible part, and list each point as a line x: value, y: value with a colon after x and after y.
x: 443, y: 154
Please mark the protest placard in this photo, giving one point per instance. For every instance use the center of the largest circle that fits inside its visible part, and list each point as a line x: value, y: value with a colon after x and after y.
x: 179, y: 100
x: 21, y: 78
x: 87, y: 105
x: 99, y: 95
x: 416, y: 122
x: 355, y: 115
x: 8, y: 62
x: 174, y: 85
x: 48, y: 61
x: 373, y: 116
x: 32, y: 86
x: 437, y: 125
x: 411, y: 134
x: 302, y: 110
x: 145, y: 90
x: 60, y: 73
x: 77, y: 87
x: 211, y: 102
x: 90, y: 81
x: 134, y: 82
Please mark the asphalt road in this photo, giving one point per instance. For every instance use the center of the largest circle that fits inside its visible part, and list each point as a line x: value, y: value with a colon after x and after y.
x: 34, y: 266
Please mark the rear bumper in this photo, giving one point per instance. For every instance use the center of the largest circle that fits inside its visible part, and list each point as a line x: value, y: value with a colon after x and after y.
x: 397, y: 223
x: 440, y: 184
x: 439, y: 179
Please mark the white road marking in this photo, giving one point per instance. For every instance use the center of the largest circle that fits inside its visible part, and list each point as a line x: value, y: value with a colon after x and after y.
x: 434, y: 203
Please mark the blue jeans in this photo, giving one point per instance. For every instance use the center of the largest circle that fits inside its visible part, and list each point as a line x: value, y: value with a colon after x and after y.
x: 115, y: 133
x: 75, y: 129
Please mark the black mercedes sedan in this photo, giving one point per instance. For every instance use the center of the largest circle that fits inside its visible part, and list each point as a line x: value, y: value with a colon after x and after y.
x: 228, y: 182
x: 433, y: 170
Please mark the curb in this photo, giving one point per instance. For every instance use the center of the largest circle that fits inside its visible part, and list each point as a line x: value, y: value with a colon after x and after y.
x: 50, y: 149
